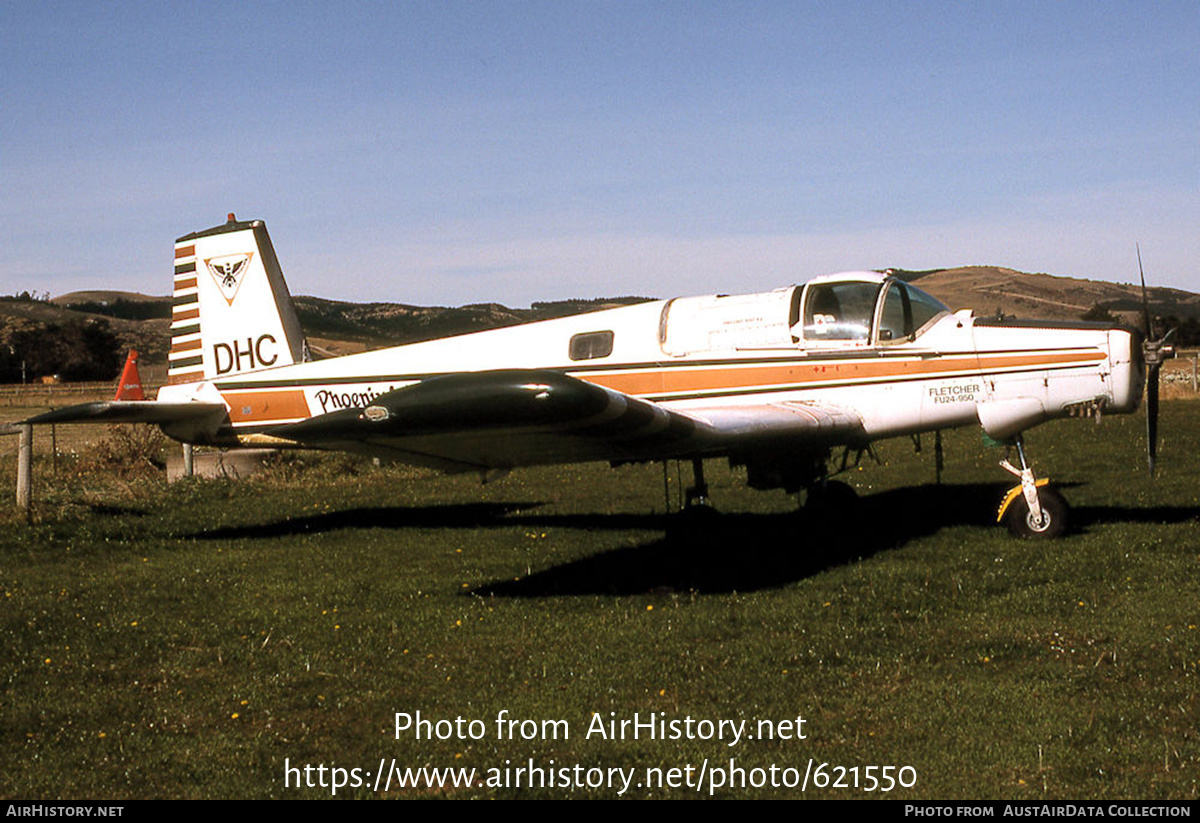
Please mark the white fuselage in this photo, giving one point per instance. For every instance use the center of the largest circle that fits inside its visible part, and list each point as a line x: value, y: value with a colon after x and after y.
x: 708, y: 352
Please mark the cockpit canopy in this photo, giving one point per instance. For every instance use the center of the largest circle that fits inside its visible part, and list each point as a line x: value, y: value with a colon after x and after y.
x: 849, y: 310
x: 863, y: 309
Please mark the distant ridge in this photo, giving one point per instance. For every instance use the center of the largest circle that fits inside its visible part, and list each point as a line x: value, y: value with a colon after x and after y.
x: 988, y: 289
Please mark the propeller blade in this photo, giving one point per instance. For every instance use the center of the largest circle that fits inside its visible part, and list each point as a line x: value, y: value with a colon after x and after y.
x: 1153, y: 352
x: 1145, y: 300
x: 1152, y: 414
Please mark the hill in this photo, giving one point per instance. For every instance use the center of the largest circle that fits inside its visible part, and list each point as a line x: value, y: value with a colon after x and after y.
x: 989, y: 289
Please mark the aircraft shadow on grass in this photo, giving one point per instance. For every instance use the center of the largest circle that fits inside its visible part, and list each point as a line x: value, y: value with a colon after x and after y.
x: 453, y: 516
x: 703, y: 551
x: 749, y: 552
x: 710, y: 552
x: 1084, y: 516
x: 109, y: 510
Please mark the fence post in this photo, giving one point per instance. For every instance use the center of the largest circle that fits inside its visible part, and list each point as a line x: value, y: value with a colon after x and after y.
x: 25, y: 468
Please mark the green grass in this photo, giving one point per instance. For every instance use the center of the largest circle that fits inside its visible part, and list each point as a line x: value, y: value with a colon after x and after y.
x: 138, y: 619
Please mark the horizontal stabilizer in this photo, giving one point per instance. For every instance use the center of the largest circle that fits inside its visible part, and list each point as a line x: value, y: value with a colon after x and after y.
x: 128, y: 411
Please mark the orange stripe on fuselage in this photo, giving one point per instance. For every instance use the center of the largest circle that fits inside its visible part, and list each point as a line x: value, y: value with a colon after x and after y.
x: 266, y: 406
x: 682, y: 379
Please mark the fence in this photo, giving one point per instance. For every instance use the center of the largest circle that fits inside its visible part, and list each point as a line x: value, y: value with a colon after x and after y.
x: 61, y: 394
x: 1185, y: 377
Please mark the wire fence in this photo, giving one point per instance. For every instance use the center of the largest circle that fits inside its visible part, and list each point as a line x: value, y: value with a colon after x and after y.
x: 61, y: 394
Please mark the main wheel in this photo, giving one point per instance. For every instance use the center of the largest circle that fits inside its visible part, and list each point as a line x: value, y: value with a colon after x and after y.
x: 1055, y: 515
x: 834, y: 497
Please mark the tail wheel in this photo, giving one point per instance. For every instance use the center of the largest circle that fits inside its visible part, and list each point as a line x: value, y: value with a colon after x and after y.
x: 1055, y: 516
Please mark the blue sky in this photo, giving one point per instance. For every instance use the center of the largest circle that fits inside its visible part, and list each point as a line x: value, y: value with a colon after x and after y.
x: 455, y: 152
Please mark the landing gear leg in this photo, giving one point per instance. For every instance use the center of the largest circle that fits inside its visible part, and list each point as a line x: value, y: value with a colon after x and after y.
x: 1028, y: 484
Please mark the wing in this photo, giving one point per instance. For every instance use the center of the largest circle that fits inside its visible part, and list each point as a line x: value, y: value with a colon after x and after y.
x: 516, y: 417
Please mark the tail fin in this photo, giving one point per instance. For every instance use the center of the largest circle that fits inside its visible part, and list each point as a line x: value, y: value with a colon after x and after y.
x: 232, y: 312
x: 130, y: 387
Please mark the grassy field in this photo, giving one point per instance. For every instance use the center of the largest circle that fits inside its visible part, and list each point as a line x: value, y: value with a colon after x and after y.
x: 188, y: 641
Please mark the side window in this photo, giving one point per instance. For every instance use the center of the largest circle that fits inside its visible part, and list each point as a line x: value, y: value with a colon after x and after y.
x: 839, y: 311
x: 590, y: 345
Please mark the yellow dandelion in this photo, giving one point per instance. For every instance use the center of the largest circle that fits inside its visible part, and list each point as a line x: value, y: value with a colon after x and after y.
x: 650, y: 608
x: 234, y: 716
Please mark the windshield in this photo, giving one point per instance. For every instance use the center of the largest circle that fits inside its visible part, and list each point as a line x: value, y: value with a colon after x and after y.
x: 925, y: 307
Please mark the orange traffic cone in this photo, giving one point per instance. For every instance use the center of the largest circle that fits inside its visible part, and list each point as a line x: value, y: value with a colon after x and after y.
x: 130, y: 387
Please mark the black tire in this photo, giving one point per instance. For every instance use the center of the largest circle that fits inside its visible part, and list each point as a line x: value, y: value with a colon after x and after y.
x: 1055, y: 514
